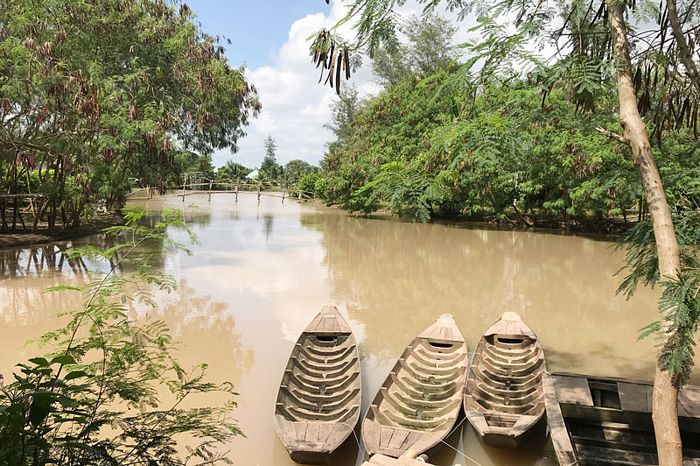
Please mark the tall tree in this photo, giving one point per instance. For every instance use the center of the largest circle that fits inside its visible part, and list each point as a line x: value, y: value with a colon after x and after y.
x: 95, y: 94
x: 269, y: 168
x: 428, y: 48
x: 295, y: 169
x: 343, y: 111
x: 540, y: 20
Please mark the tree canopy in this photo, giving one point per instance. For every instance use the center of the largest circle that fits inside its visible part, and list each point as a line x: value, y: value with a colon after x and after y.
x: 644, y: 53
x: 270, y: 170
x: 98, y: 96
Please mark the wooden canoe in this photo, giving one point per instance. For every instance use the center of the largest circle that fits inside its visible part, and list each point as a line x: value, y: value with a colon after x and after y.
x: 421, y: 398
x: 606, y: 421
x: 319, y: 399
x: 381, y: 460
x: 503, y: 397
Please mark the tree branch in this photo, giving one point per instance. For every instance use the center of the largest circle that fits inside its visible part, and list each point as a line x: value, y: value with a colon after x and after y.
x: 611, y: 135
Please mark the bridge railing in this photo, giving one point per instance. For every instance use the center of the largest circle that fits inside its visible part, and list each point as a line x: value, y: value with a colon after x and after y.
x: 228, y: 186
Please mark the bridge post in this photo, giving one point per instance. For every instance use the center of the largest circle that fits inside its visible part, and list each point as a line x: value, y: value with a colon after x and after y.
x: 236, y: 192
x: 210, y: 183
x: 300, y: 194
x: 282, y: 195
x: 259, y: 192
x: 184, y: 183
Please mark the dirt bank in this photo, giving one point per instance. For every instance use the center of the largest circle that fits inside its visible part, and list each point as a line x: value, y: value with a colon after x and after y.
x: 13, y: 239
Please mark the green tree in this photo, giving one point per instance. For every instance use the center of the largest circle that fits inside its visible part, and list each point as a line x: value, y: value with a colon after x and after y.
x: 232, y: 171
x: 270, y: 169
x: 295, y: 170
x: 428, y: 49
x: 592, y: 34
x: 96, y: 94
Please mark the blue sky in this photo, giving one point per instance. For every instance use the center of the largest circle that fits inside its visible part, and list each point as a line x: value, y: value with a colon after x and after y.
x: 269, y: 38
x: 257, y: 28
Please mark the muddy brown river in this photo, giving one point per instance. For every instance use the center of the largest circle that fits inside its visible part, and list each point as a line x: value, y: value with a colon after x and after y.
x: 260, y: 272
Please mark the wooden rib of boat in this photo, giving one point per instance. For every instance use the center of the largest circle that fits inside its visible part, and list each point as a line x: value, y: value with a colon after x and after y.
x: 319, y: 399
x: 503, y: 397
x: 421, y: 398
x: 605, y: 421
x: 381, y: 460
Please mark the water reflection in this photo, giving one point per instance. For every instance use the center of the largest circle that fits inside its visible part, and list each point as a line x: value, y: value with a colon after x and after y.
x: 399, y: 276
x: 267, y: 225
x: 190, y: 315
x: 260, y: 272
x: 36, y: 260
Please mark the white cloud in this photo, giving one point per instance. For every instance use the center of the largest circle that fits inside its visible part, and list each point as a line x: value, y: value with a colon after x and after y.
x: 295, y: 107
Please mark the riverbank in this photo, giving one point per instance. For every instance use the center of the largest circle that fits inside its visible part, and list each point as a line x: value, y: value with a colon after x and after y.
x: 608, y: 228
x: 20, y: 238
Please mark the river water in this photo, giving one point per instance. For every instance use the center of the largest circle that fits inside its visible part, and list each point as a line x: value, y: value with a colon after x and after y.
x: 260, y: 272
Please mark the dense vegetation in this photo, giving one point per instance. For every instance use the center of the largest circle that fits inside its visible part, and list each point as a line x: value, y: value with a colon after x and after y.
x: 642, y: 53
x: 198, y: 171
x: 99, y: 97
x: 514, y: 149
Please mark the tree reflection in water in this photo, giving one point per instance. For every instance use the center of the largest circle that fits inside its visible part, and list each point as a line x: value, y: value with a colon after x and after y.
x: 396, y: 277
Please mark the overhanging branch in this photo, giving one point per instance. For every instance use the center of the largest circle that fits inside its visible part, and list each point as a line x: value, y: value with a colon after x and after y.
x: 611, y: 135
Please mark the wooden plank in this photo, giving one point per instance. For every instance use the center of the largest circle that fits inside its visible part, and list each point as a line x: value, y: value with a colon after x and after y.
x: 635, y: 397
x: 381, y: 460
x: 558, y: 433
x: 385, y: 436
x: 573, y: 390
x: 398, y: 439
x: 329, y: 320
x: 689, y: 402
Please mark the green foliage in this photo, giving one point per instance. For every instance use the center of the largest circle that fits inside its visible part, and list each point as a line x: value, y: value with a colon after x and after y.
x: 428, y: 50
x: 295, y: 170
x: 680, y: 311
x: 680, y: 301
x: 97, y: 96
x: 503, y: 153
x: 270, y: 170
x: 110, y: 391
x: 232, y: 171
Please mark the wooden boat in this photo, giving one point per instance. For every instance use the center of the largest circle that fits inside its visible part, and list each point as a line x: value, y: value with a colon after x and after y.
x: 605, y: 421
x: 381, y: 460
x: 503, y: 397
x: 319, y: 399
x: 421, y: 398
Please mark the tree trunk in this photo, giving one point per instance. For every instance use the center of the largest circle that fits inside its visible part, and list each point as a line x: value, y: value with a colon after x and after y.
x: 665, y: 415
x: 683, y: 50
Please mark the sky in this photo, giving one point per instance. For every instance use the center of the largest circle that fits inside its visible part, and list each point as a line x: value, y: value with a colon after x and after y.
x: 269, y: 39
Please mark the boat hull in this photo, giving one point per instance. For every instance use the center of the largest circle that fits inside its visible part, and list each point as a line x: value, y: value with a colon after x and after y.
x: 503, y: 396
x: 319, y: 399
x: 596, y: 420
x: 419, y: 402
